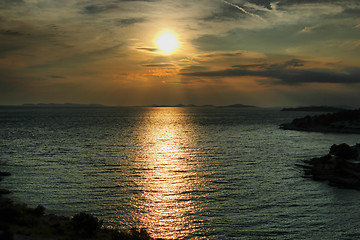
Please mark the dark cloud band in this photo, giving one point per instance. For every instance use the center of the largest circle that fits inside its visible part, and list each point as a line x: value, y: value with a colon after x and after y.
x: 287, y: 74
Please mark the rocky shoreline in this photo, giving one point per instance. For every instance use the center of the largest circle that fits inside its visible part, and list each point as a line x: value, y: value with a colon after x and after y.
x: 340, y: 167
x: 346, y: 121
x: 20, y: 222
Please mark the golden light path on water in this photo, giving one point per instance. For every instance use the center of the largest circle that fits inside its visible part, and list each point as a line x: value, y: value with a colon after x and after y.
x: 168, y: 177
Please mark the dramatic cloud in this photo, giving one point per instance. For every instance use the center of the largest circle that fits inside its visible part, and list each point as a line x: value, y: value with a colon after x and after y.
x: 62, y: 50
x: 5, y: 3
x: 264, y: 3
x: 57, y: 76
x: 225, y: 12
x: 287, y: 73
x: 222, y: 54
x: 243, y: 10
x: 99, y: 8
x: 148, y: 49
x: 194, y: 68
x: 159, y: 65
x: 12, y: 33
x: 129, y: 21
x: 6, y: 49
x: 296, y: 2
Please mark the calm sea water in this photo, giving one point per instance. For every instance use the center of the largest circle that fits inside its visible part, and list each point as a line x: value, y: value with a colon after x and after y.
x: 183, y: 173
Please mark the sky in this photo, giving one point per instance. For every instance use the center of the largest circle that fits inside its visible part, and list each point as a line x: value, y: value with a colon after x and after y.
x: 258, y: 52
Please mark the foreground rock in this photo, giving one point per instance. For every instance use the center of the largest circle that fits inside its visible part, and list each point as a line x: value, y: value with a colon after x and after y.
x: 347, y: 121
x: 20, y: 222
x: 340, y: 167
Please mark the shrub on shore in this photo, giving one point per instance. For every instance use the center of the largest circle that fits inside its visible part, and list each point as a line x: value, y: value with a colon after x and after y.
x: 23, y: 220
x: 85, y: 224
x: 33, y: 222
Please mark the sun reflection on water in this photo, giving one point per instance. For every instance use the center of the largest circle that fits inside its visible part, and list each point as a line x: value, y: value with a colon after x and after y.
x: 167, y: 174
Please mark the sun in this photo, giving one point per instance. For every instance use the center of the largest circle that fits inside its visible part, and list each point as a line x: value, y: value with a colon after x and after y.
x: 167, y: 42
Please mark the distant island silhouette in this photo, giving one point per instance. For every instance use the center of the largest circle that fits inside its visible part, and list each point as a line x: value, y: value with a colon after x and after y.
x: 314, y: 109
x: 238, y: 106
x: 178, y: 105
x: 210, y: 106
x: 346, y: 121
x: 61, y: 105
x: 76, y: 105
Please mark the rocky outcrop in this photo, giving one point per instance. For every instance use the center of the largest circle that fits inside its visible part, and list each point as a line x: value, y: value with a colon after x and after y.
x: 347, y: 121
x: 340, y: 167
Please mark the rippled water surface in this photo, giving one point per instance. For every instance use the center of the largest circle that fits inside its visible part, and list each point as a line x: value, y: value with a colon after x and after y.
x: 183, y: 173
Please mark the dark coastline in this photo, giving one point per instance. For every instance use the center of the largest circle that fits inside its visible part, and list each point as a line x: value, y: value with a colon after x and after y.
x: 340, y: 167
x: 346, y: 121
x: 314, y: 109
x: 20, y: 222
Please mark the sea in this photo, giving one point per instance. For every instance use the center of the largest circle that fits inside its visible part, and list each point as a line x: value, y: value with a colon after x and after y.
x: 179, y: 172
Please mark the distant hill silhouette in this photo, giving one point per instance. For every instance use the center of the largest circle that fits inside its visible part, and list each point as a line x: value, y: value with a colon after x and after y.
x: 193, y: 105
x: 314, y: 109
x: 239, y: 106
x: 180, y: 105
x: 70, y: 105
x: 346, y: 121
x: 61, y: 105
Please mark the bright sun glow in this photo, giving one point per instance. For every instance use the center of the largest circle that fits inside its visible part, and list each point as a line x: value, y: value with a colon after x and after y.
x: 167, y: 42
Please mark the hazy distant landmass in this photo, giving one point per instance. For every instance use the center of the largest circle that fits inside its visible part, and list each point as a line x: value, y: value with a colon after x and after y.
x: 314, y: 109
x: 70, y: 105
x: 346, y: 121
x: 74, y: 105
x: 180, y: 105
x: 238, y: 106
x: 193, y: 105
x: 61, y: 105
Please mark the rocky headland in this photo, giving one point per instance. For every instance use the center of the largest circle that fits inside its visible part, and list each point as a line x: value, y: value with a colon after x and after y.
x: 346, y: 121
x: 340, y: 167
